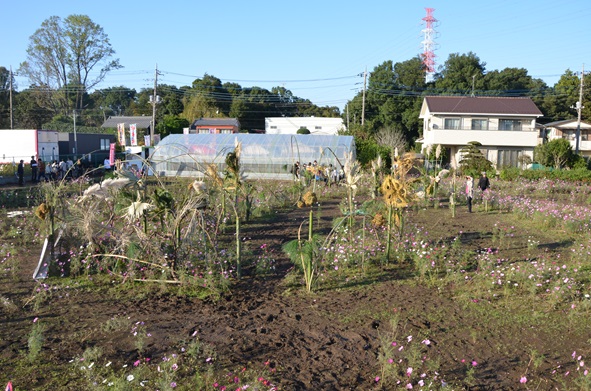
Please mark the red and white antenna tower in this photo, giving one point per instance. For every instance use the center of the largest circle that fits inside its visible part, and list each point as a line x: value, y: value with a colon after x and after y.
x: 428, y: 54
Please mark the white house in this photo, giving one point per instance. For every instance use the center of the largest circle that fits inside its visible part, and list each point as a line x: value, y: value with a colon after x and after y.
x: 316, y: 125
x: 567, y: 129
x: 505, y: 126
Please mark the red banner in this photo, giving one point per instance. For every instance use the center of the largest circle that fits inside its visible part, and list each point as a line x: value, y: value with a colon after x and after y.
x: 112, y: 153
x: 133, y: 134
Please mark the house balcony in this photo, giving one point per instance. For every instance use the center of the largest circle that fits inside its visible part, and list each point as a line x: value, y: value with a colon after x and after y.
x: 583, y: 145
x: 507, y: 138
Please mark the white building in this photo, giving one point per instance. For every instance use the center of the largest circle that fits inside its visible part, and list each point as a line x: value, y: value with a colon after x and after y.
x: 505, y: 126
x: 567, y: 129
x: 21, y: 144
x: 316, y: 125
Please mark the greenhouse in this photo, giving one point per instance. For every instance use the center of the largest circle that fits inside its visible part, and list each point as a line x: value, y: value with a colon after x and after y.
x: 265, y: 156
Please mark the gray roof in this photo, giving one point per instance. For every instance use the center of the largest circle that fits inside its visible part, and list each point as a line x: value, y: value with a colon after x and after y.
x: 141, y: 121
x: 495, y: 105
x: 566, y: 124
x: 215, y: 122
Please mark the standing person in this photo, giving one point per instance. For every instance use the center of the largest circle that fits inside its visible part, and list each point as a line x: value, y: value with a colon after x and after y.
x: 483, y: 182
x: 41, y: 168
x: 469, y: 192
x: 107, y: 164
x: 63, y: 169
x: 34, y: 168
x: 296, y: 170
x: 54, y: 170
x: 21, y: 173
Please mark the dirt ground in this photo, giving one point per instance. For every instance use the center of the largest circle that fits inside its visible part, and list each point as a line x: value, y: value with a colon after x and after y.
x: 327, y: 340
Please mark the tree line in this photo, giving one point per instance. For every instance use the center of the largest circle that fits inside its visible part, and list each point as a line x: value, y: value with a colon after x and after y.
x: 67, y: 59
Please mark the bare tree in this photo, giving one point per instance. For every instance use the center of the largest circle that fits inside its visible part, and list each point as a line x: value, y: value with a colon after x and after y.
x: 392, y: 138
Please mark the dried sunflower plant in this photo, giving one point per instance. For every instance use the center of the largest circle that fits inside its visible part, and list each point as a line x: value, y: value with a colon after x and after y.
x: 353, y: 174
x: 398, y: 193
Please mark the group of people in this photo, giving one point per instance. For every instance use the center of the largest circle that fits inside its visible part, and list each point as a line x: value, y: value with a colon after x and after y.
x: 50, y: 171
x: 328, y: 174
x: 483, y: 185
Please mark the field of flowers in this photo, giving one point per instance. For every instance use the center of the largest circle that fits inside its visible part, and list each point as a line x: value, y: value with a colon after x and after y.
x: 225, y: 284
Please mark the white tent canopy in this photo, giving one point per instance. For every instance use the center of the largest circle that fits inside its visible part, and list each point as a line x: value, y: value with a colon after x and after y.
x: 263, y: 155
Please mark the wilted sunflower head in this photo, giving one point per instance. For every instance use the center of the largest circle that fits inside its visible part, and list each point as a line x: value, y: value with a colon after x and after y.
x: 42, y: 211
x: 395, y: 192
x: 309, y: 198
x: 378, y: 220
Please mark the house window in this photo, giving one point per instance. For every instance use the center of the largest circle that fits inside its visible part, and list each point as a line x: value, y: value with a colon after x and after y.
x: 452, y: 123
x: 479, y: 124
x: 273, y: 127
x: 508, y: 158
x: 225, y: 131
x: 509, y: 124
x: 204, y: 131
x: 318, y: 127
x: 105, y: 144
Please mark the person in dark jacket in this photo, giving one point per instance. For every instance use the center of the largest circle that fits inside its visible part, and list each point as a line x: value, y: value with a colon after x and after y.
x: 469, y: 192
x: 33, y: 169
x: 21, y: 173
x: 483, y: 182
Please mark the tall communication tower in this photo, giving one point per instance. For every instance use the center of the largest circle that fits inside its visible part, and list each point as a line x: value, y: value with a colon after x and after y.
x: 428, y: 54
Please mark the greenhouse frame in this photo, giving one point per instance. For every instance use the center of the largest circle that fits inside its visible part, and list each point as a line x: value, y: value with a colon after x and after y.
x: 265, y: 156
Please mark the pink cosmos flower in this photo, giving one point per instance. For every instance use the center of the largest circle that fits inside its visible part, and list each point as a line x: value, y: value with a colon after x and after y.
x: 377, y: 379
x: 523, y: 380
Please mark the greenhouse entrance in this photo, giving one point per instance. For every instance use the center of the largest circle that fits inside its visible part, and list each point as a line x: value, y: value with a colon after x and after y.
x: 265, y: 156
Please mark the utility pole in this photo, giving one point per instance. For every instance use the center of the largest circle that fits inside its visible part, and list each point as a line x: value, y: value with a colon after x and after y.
x: 154, y: 100
x: 579, y: 106
x: 348, y: 127
x: 10, y: 99
x: 75, y: 137
x: 363, y: 100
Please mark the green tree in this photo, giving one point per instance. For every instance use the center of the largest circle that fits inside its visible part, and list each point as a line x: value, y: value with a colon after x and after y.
x: 473, y: 160
x: 30, y: 110
x: 4, y: 98
x: 303, y: 130
x: 171, y: 124
x: 69, y: 57
x: 393, y: 99
x: 113, y: 100
x: 460, y: 73
x: 557, y: 153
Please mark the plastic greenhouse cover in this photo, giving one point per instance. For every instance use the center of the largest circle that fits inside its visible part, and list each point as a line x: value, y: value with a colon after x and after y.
x: 270, y: 156
x: 258, y: 148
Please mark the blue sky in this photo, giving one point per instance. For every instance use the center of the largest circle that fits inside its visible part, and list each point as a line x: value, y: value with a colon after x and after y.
x: 316, y: 49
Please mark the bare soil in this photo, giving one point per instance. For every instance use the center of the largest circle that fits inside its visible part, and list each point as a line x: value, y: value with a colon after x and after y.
x: 327, y: 340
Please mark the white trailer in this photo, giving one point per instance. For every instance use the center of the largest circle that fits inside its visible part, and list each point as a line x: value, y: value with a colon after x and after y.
x: 21, y: 144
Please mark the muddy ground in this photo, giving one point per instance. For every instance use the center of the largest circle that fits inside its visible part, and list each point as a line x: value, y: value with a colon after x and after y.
x: 327, y: 340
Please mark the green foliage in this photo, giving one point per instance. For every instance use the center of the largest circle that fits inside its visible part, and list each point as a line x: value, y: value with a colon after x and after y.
x: 556, y: 153
x: 303, y: 130
x: 171, y: 124
x: 369, y: 149
x: 473, y: 161
x: 35, y: 341
x: 579, y: 174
